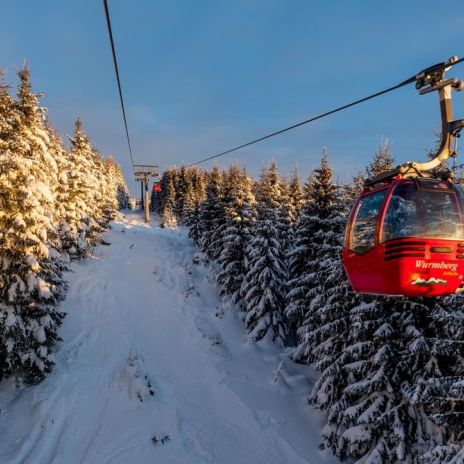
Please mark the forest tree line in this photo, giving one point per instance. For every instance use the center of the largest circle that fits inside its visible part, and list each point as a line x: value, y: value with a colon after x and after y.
x: 54, y: 201
x: 391, y: 369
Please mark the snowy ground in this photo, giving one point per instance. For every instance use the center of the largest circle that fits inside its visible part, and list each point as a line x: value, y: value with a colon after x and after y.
x: 154, y: 368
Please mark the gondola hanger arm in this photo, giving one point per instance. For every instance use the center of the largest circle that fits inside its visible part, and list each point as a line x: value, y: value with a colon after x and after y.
x: 430, y: 80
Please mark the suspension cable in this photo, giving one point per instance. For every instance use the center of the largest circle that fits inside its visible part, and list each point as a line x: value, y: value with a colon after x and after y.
x: 115, y: 62
x: 320, y: 116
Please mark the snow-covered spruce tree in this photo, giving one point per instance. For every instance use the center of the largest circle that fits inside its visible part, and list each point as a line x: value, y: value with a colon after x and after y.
x: 381, y: 390
x: 194, y: 220
x: 446, y: 454
x: 188, y: 205
x: 119, y: 184
x: 319, y: 293
x: 353, y: 189
x: 298, y: 260
x: 198, y: 181
x: 84, y: 201
x: 182, y: 184
x: 105, y: 196
x: 65, y: 216
x: 264, y: 284
x: 212, y: 215
x: 391, y: 374
x: 286, y: 217
x: 382, y: 160
x: 163, y: 191
x: 192, y: 202
x: 168, y: 190
x: 290, y: 205
x: 31, y: 283
x: 302, y: 261
x: 296, y: 196
x: 442, y: 396
x: 115, y: 192
x: 199, y: 184
x: 9, y: 118
x: 240, y: 216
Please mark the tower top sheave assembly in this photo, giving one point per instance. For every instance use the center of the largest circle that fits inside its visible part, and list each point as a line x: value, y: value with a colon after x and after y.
x: 143, y: 170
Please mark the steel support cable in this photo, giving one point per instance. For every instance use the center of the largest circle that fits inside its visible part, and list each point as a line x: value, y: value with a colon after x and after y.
x: 115, y: 62
x: 320, y: 116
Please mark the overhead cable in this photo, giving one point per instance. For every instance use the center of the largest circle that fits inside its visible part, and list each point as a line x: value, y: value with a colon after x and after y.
x: 115, y: 62
x: 320, y: 116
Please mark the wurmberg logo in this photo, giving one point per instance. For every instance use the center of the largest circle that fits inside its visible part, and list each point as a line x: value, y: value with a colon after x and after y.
x: 421, y: 264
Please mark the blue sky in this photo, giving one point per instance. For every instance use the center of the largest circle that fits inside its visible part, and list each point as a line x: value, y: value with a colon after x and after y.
x: 202, y: 76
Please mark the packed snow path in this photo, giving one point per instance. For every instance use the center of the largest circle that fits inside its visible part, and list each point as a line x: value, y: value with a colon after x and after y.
x: 154, y: 369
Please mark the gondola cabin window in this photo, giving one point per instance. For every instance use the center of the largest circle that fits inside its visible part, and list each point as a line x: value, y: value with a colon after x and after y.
x: 363, y: 230
x: 430, y: 212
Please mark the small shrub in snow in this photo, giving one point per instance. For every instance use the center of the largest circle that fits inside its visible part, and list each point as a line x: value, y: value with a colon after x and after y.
x: 160, y: 440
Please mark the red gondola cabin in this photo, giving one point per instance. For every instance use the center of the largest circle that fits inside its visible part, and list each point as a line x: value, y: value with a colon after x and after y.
x: 406, y: 238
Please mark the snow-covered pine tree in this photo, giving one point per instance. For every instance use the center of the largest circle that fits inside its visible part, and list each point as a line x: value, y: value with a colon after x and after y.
x: 193, y: 218
x: 193, y: 199
x: 286, y: 217
x: 318, y: 259
x: 182, y: 184
x: 381, y: 391
x: 212, y: 214
x: 84, y: 201
x: 31, y: 283
x: 301, y: 257
x: 442, y: 396
x: 188, y: 204
x: 162, y: 194
x: 264, y: 286
x: 290, y: 205
x: 9, y: 118
x: 65, y: 216
x: 168, y: 191
x: 353, y: 190
x: 219, y: 225
x: 104, y: 197
x: 296, y: 195
x: 298, y: 260
x: 199, y: 184
x: 115, y: 191
x: 382, y: 160
x: 391, y: 375
x: 119, y: 183
x: 240, y: 216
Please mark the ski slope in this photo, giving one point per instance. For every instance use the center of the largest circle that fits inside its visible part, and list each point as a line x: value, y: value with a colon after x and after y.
x: 154, y: 368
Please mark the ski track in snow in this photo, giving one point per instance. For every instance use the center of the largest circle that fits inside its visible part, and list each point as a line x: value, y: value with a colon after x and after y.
x: 150, y: 350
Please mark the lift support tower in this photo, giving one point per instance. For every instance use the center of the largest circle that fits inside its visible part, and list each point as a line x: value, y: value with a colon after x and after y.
x: 143, y: 172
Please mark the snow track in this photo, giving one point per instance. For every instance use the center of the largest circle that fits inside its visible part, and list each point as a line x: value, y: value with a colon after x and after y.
x: 154, y: 368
